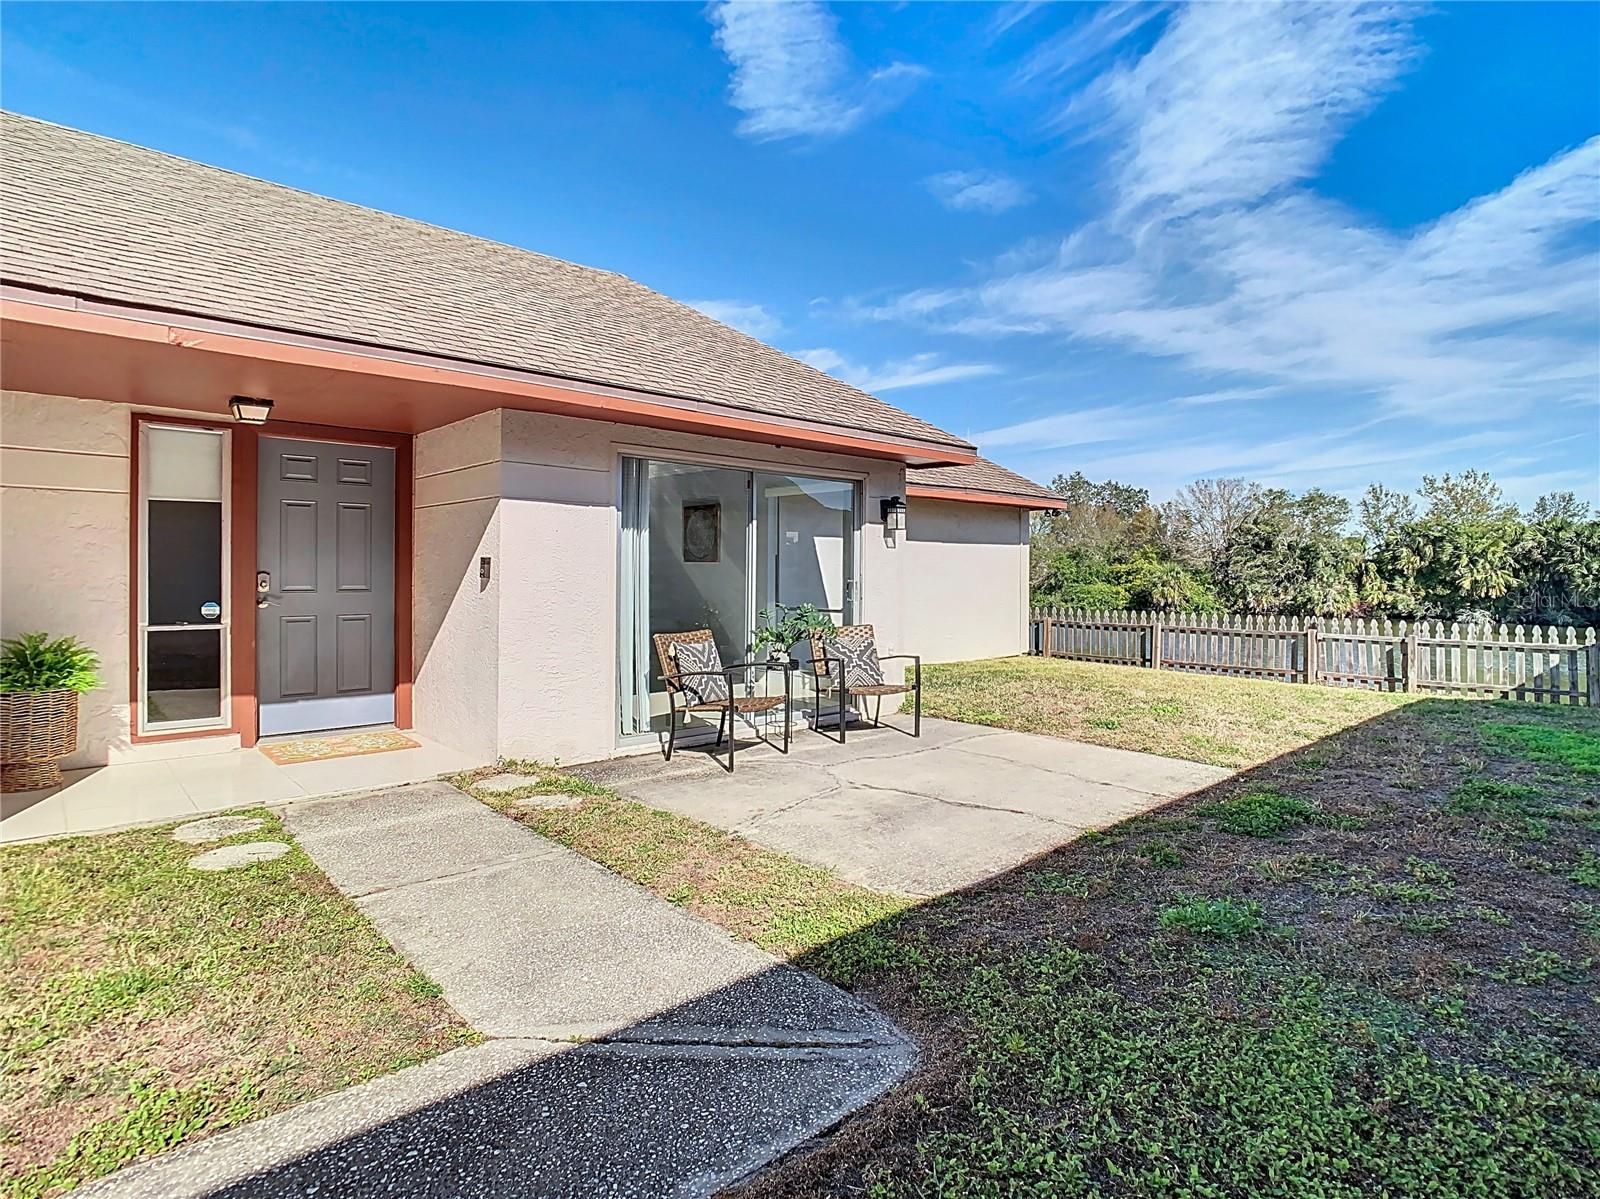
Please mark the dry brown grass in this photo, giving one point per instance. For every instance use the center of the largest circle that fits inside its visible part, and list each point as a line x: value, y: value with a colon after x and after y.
x: 1204, y: 718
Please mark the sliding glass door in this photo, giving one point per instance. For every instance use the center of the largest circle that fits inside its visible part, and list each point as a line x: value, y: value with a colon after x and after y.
x: 708, y: 547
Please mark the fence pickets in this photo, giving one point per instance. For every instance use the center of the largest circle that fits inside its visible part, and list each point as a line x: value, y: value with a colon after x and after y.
x: 1544, y: 664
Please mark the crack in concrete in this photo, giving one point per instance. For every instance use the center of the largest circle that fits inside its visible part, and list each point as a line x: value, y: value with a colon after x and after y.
x: 1094, y: 782
x: 454, y: 875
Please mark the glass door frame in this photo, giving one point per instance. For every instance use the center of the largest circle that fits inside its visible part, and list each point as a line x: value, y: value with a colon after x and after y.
x: 223, y: 721
x: 633, y: 565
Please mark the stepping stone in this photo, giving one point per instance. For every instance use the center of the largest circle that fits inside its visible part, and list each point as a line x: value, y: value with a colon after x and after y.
x: 231, y: 857
x: 216, y: 828
x: 561, y: 799
x: 499, y: 784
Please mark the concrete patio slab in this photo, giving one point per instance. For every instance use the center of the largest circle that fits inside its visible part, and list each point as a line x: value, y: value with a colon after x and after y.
x: 129, y: 794
x: 904, y: 842
x: 918, y: 816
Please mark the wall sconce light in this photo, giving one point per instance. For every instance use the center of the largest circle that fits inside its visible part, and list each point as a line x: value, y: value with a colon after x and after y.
x: 248, y: 410
x: 894, y: 513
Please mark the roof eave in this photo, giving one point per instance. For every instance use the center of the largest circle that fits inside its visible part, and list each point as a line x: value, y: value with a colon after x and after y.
x: 497, y: 386
x: 969, y: 495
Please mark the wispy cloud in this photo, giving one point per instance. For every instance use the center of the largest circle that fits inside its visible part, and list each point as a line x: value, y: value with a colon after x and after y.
x: 791, y: 73
x: 977, y: 191
x: 746, y: 317
x: 920, y: 370
x: 1210, y: 252
x: 1087, y: 42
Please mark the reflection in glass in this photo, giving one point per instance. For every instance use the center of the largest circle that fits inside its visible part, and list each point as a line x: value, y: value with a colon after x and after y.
x: 183, y: 675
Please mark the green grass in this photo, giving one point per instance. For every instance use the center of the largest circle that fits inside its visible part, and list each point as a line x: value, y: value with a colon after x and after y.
x: 1218, y: 720
x: 1259, y: 812
x: 1329, y: 979
x: 1214, y: 917
x: 785, y: 906
x: 145, y: 1004
x: 1577, y: 749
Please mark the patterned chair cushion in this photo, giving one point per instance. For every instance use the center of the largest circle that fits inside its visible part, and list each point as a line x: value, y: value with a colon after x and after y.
x: 690, y: 656
x: 859, y: 653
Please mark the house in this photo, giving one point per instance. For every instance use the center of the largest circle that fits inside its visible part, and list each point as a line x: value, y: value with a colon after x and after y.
x: 485, y: 478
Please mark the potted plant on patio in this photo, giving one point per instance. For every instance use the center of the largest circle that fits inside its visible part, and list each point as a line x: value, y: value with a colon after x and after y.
x: 782, y: 627
x: 40, y: 681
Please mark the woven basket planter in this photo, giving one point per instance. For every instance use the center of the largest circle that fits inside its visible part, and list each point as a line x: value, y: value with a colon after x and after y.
x: 37, y: 730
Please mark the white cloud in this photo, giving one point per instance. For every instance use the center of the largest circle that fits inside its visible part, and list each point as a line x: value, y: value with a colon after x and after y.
x: 753, y: 319
x: 920, y: 370
x: 1209, y: 250
x: 791, y: 74
x: 977, y: 191
x: 1089, y: 40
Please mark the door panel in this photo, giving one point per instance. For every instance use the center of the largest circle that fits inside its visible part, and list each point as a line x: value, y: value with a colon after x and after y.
x: 325, y: 640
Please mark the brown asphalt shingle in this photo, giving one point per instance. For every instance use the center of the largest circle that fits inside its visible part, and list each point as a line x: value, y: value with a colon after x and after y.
x: 103, y: 219
x: 981, y: 475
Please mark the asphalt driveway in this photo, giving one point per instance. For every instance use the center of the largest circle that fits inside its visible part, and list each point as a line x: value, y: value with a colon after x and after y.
x: 917, y: 816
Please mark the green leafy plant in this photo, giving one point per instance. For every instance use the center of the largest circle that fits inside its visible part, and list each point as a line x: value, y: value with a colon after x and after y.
x: 1214, y: 917
x: 33, y: 662
x: 1260, y: 812
x: 783, y: 625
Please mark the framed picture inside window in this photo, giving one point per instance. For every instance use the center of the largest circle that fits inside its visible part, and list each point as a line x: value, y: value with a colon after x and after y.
x: 702, y: 532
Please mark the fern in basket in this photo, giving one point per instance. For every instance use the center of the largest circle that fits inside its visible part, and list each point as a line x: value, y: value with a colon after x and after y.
x: 33, y: 662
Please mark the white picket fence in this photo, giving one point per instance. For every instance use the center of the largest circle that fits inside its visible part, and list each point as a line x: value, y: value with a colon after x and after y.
x: 1545, y: 664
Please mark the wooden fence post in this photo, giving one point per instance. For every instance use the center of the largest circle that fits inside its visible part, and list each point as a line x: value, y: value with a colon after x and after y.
x: 1155, y: 644
x: 1591, y: 653
x: 1312, y: 669
x: 1410, y: 658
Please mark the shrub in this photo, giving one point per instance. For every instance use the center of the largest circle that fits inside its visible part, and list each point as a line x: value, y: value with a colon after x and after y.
x: 33, y: 662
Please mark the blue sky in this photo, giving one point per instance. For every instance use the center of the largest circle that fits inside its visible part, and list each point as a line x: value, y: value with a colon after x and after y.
x: 1311, y: 245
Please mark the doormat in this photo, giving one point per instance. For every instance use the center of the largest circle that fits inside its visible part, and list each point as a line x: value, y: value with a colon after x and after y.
x: 340, y: 745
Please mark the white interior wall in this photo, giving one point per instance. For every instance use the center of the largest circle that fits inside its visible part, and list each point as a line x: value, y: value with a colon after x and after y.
x: 966, y: 581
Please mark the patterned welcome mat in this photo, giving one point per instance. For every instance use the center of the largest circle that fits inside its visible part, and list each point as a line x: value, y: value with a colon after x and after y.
x: 338, y: 745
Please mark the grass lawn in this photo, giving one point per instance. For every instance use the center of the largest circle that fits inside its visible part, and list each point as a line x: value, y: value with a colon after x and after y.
x: 1366, y: 968
x: 1205, y: 718
x: 785, y: 906
x: 144, y: 1004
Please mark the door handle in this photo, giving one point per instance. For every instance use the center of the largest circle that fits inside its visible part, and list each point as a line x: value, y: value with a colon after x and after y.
x: 263, y: 588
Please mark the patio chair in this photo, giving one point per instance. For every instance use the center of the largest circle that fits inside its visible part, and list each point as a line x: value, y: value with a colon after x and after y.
x: 694, y: 675
x: 847, y: 659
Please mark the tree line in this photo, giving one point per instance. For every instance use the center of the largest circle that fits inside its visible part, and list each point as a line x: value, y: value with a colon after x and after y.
x: 1456, y: 550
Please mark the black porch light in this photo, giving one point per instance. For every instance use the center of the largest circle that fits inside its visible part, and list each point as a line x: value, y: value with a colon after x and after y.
x: 894, y: 513
x: 248, y: 410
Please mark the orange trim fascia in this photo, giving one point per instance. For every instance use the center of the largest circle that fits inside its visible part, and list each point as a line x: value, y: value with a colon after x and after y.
x: 968, y: 496
x: 135, y: 737
x: 584, y: 403
x: 244, y: 704
x: 242, y: 556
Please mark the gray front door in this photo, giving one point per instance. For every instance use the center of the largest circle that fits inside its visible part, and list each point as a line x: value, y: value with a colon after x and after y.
x: 325, y: 546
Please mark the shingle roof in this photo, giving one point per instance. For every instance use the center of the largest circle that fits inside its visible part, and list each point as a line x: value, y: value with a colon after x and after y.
x: 103, y: 219
x: 981, y: 475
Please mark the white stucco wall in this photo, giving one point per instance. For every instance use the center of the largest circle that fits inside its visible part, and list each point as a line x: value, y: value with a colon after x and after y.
x: 524, y: 666
x: 455, y: 617
x: 64, y: 476
x: 552, y: 653
x: 967, y: 580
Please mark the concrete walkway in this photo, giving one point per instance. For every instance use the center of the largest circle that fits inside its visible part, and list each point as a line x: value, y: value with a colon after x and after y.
x: 921, y: 817
x: 701, y: 1058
